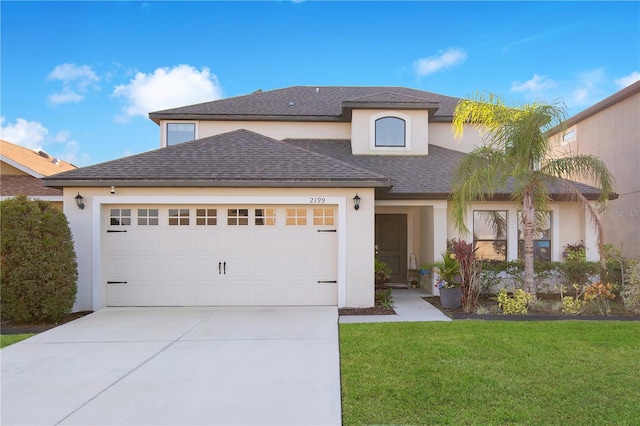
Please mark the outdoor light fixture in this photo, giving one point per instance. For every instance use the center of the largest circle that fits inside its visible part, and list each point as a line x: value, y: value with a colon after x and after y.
x: 356, y: 202
x: 79, y: 201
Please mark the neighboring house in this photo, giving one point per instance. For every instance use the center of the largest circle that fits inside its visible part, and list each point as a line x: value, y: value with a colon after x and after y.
x: 282, y: 198
x: 21, y: 170
x: 610, y: 130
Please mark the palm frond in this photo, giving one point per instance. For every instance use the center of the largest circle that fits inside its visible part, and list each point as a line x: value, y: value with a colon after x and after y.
x: 581, y: 167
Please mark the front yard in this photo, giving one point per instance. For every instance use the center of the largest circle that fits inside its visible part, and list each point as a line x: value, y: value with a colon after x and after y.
x: 491, y: 373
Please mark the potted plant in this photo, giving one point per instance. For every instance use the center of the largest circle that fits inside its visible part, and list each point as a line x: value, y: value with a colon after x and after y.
x: 448, y: 282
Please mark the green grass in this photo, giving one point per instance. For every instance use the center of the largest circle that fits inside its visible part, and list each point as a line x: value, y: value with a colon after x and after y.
x: 491, y: 373
x: 10, y: 339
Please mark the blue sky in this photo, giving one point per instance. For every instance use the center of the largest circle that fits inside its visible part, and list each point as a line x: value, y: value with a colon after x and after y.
x: 79, y: 78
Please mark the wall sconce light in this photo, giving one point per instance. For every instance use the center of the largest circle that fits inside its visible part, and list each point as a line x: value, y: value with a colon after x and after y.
x: 113, y: 189
x: 356, y: 202
x: 79, y: 201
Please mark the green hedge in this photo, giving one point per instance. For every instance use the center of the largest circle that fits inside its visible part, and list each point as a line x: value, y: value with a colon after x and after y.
x: 38, y: 270
x: 495, y: 273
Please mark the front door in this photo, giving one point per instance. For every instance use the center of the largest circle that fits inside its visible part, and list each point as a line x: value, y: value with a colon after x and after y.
x: 391, y: 242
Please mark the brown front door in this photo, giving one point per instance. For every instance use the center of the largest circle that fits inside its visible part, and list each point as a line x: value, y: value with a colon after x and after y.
x: 391, y: 242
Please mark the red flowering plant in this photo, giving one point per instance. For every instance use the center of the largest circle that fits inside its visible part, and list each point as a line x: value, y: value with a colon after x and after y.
x: 469, y: 267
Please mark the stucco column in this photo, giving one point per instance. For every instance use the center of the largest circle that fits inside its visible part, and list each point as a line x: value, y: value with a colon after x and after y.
x: 590, y: 238
x: 439, y: 236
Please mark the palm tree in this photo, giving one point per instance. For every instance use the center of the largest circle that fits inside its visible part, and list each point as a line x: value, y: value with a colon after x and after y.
x: 515, y: 160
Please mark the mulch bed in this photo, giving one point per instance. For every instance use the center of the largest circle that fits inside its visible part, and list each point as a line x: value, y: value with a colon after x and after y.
x: 376, y: 310
x: 458, y: 313
x: 9, y: 327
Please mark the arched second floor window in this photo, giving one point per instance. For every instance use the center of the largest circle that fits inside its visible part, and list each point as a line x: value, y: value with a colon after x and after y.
x: 390, y: 131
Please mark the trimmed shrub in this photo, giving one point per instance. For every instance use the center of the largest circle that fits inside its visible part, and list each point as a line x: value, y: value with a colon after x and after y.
x: 38, y: 262
x: 631, y: 292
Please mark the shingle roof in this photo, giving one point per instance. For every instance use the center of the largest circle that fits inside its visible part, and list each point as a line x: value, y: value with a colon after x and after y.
x: 13, y: 185
x: 37, y: 163
x: 238, y: 158
x: 313, y: 103
x: 246, y: 159
x: 417, y: 176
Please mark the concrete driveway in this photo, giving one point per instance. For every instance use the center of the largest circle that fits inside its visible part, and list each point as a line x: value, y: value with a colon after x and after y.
x: 178, y: 366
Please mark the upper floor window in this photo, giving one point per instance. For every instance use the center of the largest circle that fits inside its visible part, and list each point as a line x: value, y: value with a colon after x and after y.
x: 569, y: 136
x: 180, y: 132
x: 390, y: 131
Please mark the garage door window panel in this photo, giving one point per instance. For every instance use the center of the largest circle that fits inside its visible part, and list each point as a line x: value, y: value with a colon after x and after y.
x: 265, y: 217
x: 296, y: 217
x: 323, y: 216
x: 178, y: 217
x: 206, y: 217
x: 120, y: 217
x: 237, y: 217
x: 148, y: 217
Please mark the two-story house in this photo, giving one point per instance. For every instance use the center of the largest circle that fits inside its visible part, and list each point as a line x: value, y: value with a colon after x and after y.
x: 610, y: 130
x: 284, y: 197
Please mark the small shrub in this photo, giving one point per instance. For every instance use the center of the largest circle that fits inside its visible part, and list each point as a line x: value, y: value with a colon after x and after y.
x: 384, y: 299
x: 516, y: 305
x: 631, y: 292
x: 573, y: 305
x: 575, y: 252
x: 482, y: 310
x: 38, y: 262
x: 382, y: 274
x: 599, y: 295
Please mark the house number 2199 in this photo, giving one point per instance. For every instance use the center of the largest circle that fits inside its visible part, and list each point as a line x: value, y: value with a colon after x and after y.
x: 317, y: 200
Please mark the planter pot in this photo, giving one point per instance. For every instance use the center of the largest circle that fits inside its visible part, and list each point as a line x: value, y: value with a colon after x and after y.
x: 450, y: 298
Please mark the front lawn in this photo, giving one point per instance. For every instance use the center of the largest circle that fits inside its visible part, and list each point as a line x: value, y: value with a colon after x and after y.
x: 491, y: 373
x: 10, y: 339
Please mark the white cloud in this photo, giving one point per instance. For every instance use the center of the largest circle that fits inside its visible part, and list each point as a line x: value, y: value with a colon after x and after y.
x: 627, y: 80
x: 76, y: 80
x: 33, y: 135
x: 29, y: 134
x: 588, y: 89
x: 167, y: 88
x: 536, y: 85
x: 445, y: 60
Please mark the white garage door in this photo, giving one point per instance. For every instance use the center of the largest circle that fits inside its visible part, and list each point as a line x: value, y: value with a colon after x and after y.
x: 221, y: 255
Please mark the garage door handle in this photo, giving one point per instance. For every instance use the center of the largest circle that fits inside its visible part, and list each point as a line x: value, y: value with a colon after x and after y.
x: 113, y: 230
x: 219, y: 268
x: 116, y: 282
x: 327, y: 230
x: 327, y: 282
x: 224, y: 266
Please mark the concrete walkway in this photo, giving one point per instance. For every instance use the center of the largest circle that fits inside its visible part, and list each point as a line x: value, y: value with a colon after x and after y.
x: 178, y: 366
x: 409, y: 306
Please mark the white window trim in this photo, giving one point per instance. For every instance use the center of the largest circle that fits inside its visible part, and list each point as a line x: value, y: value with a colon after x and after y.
x: 164, y: 133
x: 512, y: 227
x: 573, y: 138
x: 407, y: 132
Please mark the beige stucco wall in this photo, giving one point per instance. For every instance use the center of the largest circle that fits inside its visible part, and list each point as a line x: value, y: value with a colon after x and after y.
x: 8, y: 169
x: 357, y: 253
x: 440, y: 134
x: 613, y: 135
x: 274, y: 129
